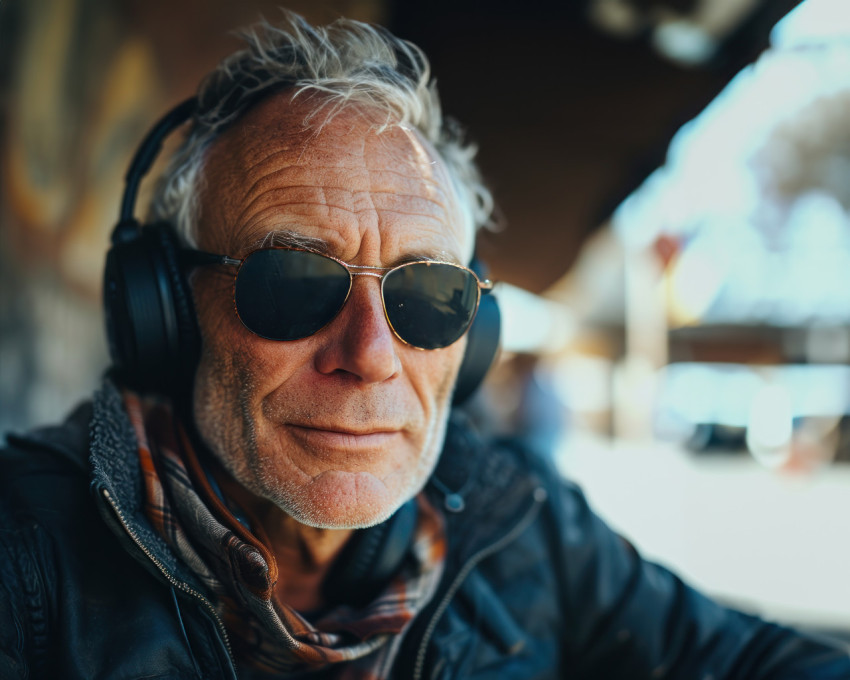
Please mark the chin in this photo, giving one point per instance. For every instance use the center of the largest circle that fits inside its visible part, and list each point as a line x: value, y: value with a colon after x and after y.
x: 319, y: 519
x: 345, y: 500
x: 338, y: 500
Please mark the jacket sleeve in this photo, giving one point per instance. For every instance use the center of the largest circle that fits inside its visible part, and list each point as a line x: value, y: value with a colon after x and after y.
x: 27, y: 565
x: 629, y: 618
x: 13, y: 624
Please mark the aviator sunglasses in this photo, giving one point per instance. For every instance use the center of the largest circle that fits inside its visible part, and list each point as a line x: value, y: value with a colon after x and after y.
x: 285, y: 293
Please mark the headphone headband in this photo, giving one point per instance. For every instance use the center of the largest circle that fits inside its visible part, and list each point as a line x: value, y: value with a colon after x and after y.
x: 147, y: 153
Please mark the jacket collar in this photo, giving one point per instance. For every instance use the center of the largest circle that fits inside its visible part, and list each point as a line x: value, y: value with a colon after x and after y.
x: 117, y: 479
x: 491, y: 481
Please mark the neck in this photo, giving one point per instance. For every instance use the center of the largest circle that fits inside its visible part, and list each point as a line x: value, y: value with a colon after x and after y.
x: 304, y: 554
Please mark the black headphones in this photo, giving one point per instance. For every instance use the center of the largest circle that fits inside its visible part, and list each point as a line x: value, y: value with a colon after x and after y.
x: 151, y: 325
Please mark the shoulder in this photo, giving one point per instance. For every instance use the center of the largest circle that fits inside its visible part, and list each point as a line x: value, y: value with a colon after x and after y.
x: 44, y: 472
x: 65, y: 444
x: 43, y: 492
x: 73, y: 587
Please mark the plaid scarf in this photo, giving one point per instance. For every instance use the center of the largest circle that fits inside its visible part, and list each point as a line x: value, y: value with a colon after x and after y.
x: 240, y: 571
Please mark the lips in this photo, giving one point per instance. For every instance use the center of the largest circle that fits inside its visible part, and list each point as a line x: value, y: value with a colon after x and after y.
x: 331, y: 437
x: 356, y: 432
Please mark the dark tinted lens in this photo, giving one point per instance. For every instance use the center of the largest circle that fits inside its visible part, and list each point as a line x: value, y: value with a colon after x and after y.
x: 430, y: 305
x: 289, y: 294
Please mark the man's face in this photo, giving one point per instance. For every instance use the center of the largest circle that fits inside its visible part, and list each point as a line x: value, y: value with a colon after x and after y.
x: 340, y: 428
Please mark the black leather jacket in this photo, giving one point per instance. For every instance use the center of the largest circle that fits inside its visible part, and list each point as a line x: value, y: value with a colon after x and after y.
x: 535, y: 585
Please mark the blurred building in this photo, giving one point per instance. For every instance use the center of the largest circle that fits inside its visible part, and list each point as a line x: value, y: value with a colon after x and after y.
x: 738, y: 247
x: 730, y: 262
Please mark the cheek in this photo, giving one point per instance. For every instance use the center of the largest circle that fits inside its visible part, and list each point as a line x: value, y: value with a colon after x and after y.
x: 223, y: 386
x: 434, y: 374
x: 225, y: 380
x: 236, y: 373
x: 222, y: 366
x: 212, y: 293
x: 225, y: 343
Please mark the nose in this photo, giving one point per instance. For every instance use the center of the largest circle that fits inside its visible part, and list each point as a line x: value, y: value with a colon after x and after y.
x: 359, y: 340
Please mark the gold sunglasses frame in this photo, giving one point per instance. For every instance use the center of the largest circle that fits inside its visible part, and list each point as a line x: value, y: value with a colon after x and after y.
x: 194, y: 257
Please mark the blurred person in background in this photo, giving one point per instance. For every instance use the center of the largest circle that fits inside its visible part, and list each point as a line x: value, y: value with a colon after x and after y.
x: 272, y: 482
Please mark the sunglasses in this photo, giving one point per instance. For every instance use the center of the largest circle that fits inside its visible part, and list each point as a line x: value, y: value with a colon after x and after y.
x: 284, y: 293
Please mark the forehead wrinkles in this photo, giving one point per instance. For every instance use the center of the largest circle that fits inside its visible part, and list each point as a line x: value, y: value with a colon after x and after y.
x: 416, y: 167
x: 345, y: 173
x: 400, y: 159
x: 377, y: 198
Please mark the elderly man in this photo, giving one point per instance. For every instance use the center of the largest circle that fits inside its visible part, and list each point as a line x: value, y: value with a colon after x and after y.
x: 270, y: 483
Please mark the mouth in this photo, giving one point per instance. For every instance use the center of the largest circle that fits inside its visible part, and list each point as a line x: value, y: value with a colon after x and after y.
x: 332, y: 437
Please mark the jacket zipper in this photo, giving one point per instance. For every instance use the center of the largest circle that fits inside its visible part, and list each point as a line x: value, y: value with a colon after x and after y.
x: 171, y: 579
x: 529, y: 516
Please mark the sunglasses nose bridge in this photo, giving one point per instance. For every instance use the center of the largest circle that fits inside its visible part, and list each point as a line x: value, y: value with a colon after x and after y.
x: 377, y: 274
x: 373, y: 272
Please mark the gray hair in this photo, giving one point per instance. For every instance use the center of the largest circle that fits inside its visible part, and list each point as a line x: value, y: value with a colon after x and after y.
x: 347, y: 62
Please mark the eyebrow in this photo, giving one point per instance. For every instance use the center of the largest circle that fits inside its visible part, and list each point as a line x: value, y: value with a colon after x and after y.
x: 287, y: 238
x: 291, y: 239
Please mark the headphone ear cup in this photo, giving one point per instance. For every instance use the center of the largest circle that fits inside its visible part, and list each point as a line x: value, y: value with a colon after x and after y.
x: 482, y: 345
x: 150, y: 320
x: 188, y: 333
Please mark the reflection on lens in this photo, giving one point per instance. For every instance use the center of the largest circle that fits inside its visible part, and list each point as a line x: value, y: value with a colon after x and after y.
x: 289, y: 294
x: 430, y: 305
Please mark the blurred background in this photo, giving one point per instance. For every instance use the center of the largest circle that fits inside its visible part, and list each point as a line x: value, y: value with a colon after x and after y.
x: 673, y: 242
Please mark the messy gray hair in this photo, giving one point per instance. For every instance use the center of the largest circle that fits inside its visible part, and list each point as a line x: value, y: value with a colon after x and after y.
x: 347, y: 62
